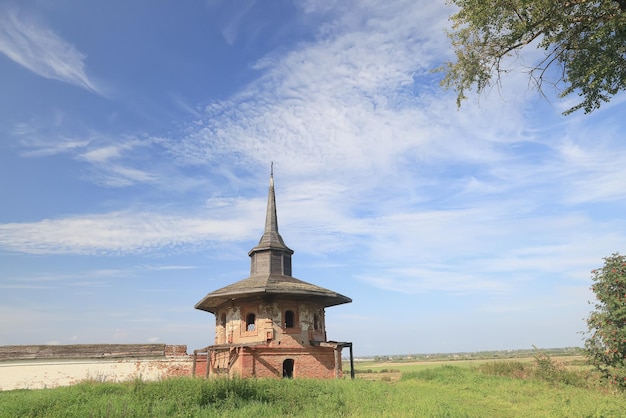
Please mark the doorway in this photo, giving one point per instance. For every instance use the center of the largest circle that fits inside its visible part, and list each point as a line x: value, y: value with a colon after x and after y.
x: 288, y: 369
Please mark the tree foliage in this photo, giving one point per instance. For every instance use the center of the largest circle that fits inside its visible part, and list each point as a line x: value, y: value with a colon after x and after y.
x: 584, y: 41
x: 606, y: 345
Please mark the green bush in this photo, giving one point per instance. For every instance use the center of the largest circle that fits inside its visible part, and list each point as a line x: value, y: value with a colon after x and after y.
x: 544, y: 368
x: 515, y: 369
x: 605, y: 345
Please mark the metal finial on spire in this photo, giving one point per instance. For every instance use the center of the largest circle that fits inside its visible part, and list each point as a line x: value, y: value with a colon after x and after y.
x: 272, y: 169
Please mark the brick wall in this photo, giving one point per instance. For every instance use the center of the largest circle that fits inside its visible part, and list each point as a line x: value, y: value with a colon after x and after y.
x: 36, y: 367
x: 309, y: 362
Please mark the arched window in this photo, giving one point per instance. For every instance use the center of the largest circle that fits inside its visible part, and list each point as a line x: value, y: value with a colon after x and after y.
x: 250, y: 318
x: 290, y: 319
x: 288, y: 368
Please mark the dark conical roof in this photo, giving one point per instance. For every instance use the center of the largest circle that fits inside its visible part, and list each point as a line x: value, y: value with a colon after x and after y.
x: 271, y: 286
x: 266, y: 282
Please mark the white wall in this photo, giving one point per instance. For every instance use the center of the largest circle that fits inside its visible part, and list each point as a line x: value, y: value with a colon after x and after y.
x: 39, y: 374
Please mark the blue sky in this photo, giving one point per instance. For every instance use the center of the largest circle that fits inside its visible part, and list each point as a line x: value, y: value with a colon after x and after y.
x: 135, y: 146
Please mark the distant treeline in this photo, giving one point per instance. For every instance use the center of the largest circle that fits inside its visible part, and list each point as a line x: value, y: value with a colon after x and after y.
x: 478, y: 355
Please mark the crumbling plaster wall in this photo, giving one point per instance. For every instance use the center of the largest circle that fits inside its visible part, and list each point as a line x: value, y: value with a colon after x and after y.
x: 34, y: 373
x: 269, y: 323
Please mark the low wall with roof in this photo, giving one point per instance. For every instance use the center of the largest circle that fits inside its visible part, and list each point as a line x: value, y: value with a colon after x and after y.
x: 47, y: 366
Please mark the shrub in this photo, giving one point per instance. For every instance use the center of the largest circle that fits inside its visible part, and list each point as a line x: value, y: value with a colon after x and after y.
x: 515, y: 369
x: 606, y: 343
x: 544, y: 368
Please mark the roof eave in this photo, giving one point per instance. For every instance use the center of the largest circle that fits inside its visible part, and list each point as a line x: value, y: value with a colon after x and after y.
x: 211, y: 303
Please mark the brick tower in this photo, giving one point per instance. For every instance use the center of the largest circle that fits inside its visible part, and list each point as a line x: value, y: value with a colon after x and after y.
x: 272, y: 324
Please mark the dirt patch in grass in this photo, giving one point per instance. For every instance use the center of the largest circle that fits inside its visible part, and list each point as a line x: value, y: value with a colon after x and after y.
x: 380, y: 377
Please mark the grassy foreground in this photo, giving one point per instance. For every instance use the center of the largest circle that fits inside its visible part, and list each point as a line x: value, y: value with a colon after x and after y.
x: 443, y: 391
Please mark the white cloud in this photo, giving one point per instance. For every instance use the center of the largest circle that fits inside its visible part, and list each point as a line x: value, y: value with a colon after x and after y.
x: 161, y: 268
x: 596, y: 173
x: 230, y: 30
x: 127, y: 232
x: 115, y: 175
x: 344, y: 103
x: 112, y: 159
x: 442, y: 279
x: 103, y: 154
x: 38, y: 143
x: 42, y: 51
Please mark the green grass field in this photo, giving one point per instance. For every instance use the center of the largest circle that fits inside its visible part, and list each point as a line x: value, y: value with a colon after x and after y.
x: 393, y: 370
x: 489, y: 389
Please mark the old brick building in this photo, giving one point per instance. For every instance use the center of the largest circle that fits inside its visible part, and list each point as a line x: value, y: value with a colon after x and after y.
x: 271, y: 324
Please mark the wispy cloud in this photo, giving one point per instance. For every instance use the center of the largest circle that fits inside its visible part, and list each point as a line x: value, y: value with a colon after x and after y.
x: 424, y: 280
x: 112, y: 163
x: 596, y: 172
x: 344, y: 102
x: 40, y: 50
x: 85, y: 280
x: 112, y: 159
x: 128, y: 232
x: 38, y: 143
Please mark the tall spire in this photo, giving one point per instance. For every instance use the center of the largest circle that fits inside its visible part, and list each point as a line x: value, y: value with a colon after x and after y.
x: 270, y: 272
x: 271, y: 220
x: 271, y: 239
